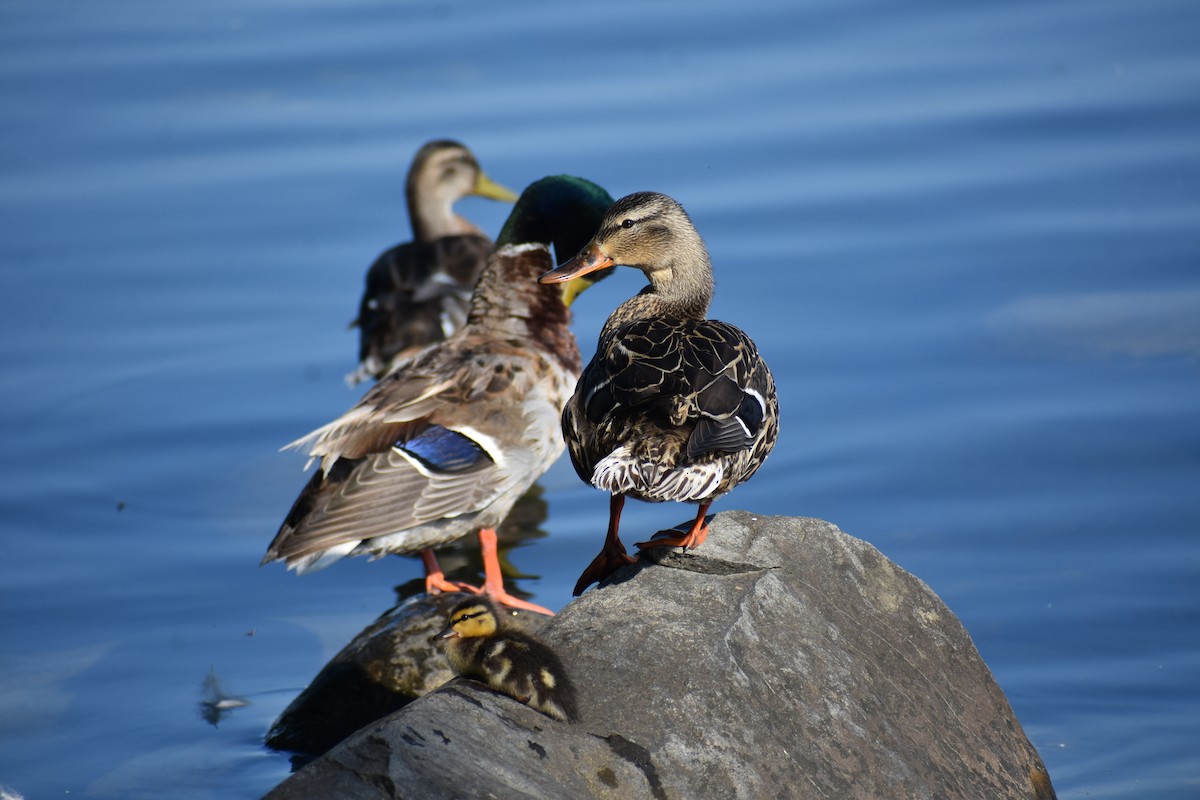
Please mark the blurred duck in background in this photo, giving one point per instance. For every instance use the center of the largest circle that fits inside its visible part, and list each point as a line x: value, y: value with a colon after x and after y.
x: 419, y: 292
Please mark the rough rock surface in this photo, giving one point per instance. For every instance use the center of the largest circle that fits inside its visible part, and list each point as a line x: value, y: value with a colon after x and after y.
x: 782, y: 659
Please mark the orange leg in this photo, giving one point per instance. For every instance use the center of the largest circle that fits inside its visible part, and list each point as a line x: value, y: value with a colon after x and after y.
x: 612, y: 556
x: 691, y: 540
x: 435, y: 579
x: 493, y: 582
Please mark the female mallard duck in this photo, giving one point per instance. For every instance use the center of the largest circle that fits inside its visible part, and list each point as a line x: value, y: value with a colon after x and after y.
x: 447, y: 441
x: 479, y: 644
x: 673, y: 406
x: 419, y: 292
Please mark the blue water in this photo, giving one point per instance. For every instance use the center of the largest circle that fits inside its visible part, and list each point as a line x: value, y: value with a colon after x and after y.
x: 965, y: 235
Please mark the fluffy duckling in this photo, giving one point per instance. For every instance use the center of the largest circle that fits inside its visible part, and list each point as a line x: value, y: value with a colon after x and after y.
x: 419, y: 292
x: 445, y: 443
x: 481, y: 643
x: 673, y: 406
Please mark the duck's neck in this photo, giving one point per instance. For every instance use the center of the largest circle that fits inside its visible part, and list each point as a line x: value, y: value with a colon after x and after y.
x: 681, y: 289
x: 509, y: 303
x: 431, y: 213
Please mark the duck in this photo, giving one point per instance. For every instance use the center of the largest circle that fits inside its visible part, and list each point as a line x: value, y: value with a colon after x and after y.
x: 444, y: 444
x: 482, y: 643
x: 673, y: 406
x: 419, y: 292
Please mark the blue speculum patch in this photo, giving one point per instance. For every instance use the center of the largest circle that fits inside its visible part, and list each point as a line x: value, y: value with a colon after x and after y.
x: 445, y: 450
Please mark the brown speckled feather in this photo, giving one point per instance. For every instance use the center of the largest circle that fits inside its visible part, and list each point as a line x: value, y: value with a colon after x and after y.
x: 445, y: 444
x: 662, y: 394
x: 673, y: 406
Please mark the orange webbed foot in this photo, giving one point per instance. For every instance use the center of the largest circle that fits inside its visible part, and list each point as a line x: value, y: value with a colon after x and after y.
x: 504, y: 598
x: 436, y: 581
x: 606, y: 563
x: 493, y: 585
x: 436, y: 584
x: 688, y: 541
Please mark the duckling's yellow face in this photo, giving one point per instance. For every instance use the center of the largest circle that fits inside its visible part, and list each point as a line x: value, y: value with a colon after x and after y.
x: 470, y: 619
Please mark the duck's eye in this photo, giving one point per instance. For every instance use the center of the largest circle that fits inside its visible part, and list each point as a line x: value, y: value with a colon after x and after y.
x: 627, y: 224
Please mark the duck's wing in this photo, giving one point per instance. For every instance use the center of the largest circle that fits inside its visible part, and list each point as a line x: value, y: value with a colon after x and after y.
x: 705, y: 374
x: 416, y: 294
x: 426, y: 444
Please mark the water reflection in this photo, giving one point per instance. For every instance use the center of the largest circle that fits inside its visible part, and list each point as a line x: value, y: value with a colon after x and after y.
x: 217, y: 703
x: 1139, y: 324
x: 462, y: 561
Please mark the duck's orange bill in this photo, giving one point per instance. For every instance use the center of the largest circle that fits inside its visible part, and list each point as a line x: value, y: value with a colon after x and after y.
x: 589, y: 259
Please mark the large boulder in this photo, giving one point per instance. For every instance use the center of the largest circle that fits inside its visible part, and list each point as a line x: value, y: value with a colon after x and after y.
x: 782, y: 659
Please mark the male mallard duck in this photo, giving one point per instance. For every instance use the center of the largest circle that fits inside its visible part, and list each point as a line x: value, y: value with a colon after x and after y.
x: 447, y: 441
x: 419, y: 292
x: 673, y: 406
x: 479, y: 644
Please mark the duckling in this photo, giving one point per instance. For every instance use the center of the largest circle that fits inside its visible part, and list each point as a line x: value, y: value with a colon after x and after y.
x: 481, y: 643
x: 673, y: 406
x: 445, y: 443
x: 419, y: 292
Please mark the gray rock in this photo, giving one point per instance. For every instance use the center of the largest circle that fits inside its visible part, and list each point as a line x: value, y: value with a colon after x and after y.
x: 783, y: 659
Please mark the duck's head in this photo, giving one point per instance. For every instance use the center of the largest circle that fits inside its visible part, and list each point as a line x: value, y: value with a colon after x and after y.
x: 563, y: 211
x: 470, y: 618
x: 651, y: 232
x: 442, y: 173
x: 447, y: 169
